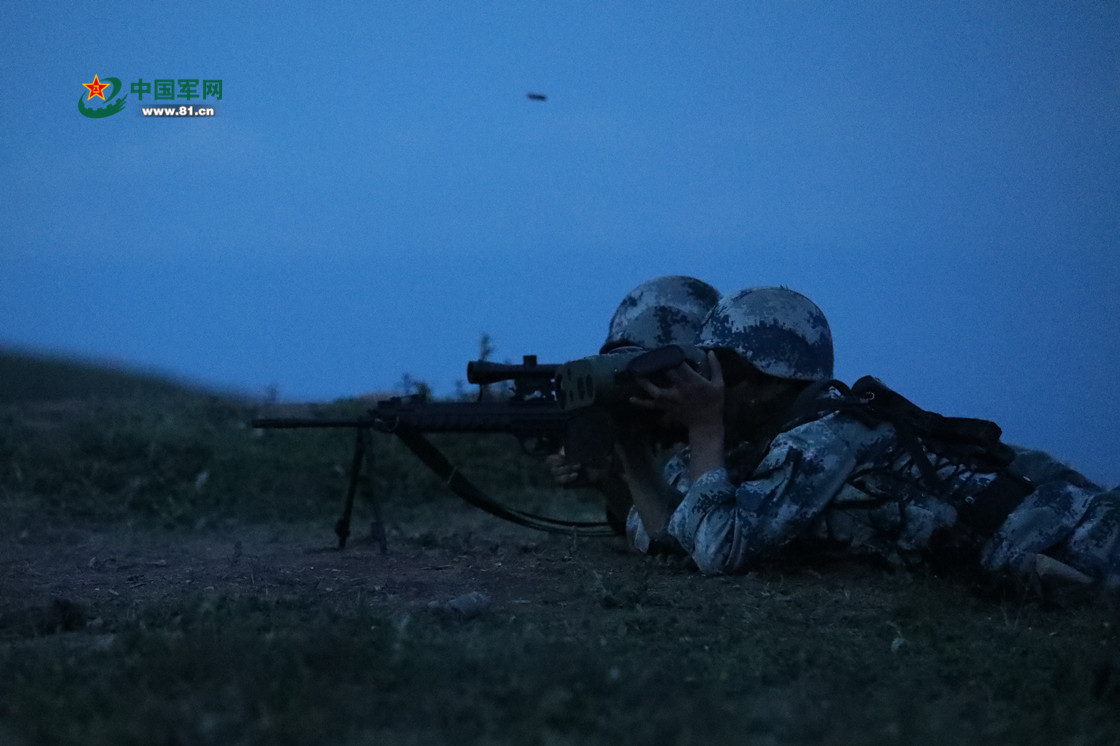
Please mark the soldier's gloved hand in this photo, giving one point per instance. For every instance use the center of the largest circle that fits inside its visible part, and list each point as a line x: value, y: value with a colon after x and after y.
x: 567, y: 473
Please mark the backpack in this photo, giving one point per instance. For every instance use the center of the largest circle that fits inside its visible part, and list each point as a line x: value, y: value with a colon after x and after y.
x: 966, y: 440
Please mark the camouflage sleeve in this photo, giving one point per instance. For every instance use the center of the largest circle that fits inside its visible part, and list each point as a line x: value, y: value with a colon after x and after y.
x: 675, y: 474
x: 636, y: 532
x: 727, y: 528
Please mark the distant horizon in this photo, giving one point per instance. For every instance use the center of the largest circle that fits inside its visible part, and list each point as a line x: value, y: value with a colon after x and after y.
x: 127, y: 367
x: 273, y: 397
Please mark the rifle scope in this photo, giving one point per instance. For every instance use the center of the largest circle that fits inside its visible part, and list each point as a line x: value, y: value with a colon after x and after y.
x: 484, y: 371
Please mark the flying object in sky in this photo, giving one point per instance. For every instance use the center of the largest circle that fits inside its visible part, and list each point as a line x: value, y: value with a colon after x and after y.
x: 537, y: 97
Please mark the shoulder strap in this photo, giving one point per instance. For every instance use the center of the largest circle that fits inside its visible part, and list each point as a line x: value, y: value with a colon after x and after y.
x: 871, y: 401
x: 967, y: 437
x: 815, y: 401
x: 972, y: 441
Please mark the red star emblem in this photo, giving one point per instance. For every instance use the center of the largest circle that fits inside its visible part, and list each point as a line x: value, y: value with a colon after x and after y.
x: 96, y: 88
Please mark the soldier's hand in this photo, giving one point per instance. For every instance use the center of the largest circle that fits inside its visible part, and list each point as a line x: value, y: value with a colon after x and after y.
x: 690, y: 399
x: 568, y: 473
x: 563, y: 471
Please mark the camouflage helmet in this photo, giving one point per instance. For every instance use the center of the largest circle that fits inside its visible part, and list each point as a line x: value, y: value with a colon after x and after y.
x: 777, y: 330
x: 665, y: 310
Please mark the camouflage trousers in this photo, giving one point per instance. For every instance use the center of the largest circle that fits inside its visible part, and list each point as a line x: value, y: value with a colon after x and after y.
x: 1066, y: 533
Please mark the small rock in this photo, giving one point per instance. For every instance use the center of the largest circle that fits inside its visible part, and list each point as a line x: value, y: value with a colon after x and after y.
x: 469, y: 605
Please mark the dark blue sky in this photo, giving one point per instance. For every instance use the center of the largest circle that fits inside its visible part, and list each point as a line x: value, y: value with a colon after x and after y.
x: 376, y: 190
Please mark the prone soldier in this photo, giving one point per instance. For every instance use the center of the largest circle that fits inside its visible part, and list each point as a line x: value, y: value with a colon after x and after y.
x: 780, y: 455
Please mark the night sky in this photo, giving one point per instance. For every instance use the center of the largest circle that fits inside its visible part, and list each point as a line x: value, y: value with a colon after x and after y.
x: 376, y: 189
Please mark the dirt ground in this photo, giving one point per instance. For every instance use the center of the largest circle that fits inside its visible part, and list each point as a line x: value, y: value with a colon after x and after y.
x: 531, y: 638
x: 102, y: 572
x: 464, y: 564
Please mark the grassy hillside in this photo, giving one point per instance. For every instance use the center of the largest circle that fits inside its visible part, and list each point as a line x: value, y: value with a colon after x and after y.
x: 27, y: 376
x: 83, y: 441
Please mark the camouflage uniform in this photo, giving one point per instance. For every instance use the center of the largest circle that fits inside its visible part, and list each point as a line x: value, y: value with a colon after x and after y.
x: 1067, y: 517
x: 836, y: 483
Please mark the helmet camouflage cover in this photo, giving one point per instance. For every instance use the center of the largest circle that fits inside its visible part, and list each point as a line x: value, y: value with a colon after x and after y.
x: 663, y: 311
x: 777, y: 330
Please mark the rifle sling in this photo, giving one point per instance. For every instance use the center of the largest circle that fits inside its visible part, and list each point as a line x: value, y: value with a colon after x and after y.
x: 458, y: 483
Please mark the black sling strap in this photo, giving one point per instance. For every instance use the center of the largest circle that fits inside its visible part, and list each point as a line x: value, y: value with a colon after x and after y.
x: 974, y: 442
x: 458, y: 483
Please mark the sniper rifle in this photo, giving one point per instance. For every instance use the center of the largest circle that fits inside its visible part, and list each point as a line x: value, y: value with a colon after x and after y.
x: 530, y: 413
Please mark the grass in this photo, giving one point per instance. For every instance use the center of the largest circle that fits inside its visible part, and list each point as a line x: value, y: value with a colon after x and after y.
x: 156, y: 452
x: 222, y: 669
x: 157, y: 587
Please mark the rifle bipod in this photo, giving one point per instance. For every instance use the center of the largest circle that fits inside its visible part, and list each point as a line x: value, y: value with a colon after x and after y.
x: 454, y: 480
x: 363, y: 452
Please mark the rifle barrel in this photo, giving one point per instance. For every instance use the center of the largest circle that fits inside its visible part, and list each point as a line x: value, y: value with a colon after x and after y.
x: 516, y: 418
x: 294, y: 422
